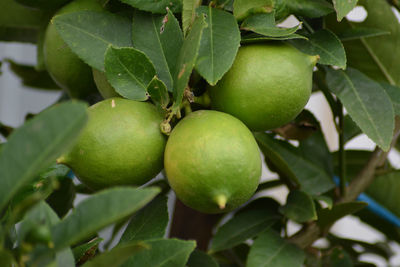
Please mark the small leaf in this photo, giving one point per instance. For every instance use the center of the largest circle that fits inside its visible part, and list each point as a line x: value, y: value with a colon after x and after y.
x: 219, y: 44
x: 160, y: 38
x: 327, y: 216
x: 187, y: 59
x: 366, y: 102
x: 394, y: 94
x: 269, y: 249
x: 242, y: 227
x: 189, y: 13
x: 117, y: 256
x: 89, y: 33
x: 361, y: 32
x: 311, y: 177
x: 299, y: 207
x: 129, y: 71
x: 264, y: 24
x: 163, y: 253
x: 37, y: 144
x: 88, y: 218
x: 156, y: 6
x: 149, y: 223
x: 309, y: 8
x: 86, y: 250
x: 343, y: 7
x: 325, y: 44
x: 244, y: 8
x: 200, y: 259
x: 158, y: 92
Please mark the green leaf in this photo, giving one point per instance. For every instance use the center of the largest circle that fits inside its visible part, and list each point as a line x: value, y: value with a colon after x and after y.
x: 242, y: 227
x: 219, y: 44
x: 269, y: 249
x: 37, y: 144
x: 14, y: 15
x: 199, y: 258
x: 117, y: 256
x: 366, y: 102
x: 343, y: 7
x: 187, y: 59
x: 325, y: 44
x: 361, y: 32
x: 149, y: 223
x: 61, y: 200
x: 325, y: 199
x: 339, y: 258
x: 86, y: 249
x: 244, y: 8
x: 309, y: 8
x: 264, y: 24
x: 158, y: 92
x: 22, y: 35
x: 256, y: 38
x: 89, y: 33
x: 163, y: 253
x: 160, y: 38
x: 88, y: 218
x: 129, y: 72
x: 7, y: 258
x: 385, y: 190
x: 189, y: 13
x: 351, y: 129
x: 327, y: 217
x: 299, y: 207
x: 394, y: 94
x: 156, y: 6
x: 311, y: 177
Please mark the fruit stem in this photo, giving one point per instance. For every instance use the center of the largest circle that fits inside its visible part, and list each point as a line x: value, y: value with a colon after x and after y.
x: 221, y: 201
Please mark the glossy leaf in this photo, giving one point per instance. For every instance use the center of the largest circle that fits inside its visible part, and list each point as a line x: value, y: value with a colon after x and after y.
x: 88, y: 218
x: 299, y: 207
x: 199, y: 258
x: 366, y: 102
x: 89, y: 34
x: 326, y: 45
x: 189, y: 13
x: 242, y: 227
x: 343, y: 7
x: 149, y: 223
x: 129, y: 71
x: 264, y: 24
x: 158, y: 92
x: 269, y: 249
x: 244, y: 8
x: 163, y: 253
x: 394, y: 94
x: 327, y: 217
x: 219, y: 44
x: 361, y: 32
x: 187, y: 59
x: 156, y: 6
x: 160, y: 38
x: 117, y: 256
x: 309, y: 8
x: 311, y: 177
x: 37, y: 144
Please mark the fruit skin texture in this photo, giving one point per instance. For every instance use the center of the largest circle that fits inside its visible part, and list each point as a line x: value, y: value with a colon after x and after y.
x: 121, y: 145
x: 104, y: 87
x: 66, y: 68
x: 211, y: 156
x: 268, y: 85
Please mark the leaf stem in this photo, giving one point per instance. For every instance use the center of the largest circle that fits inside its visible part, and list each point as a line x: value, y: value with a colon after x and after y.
x: 342, y: 152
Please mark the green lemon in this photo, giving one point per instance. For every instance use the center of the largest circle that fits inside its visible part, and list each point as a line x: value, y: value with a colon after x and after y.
x: 267, y: 86
x: 212, y: 161
x: 104, y: 87
x: 69, y: 72
x: 121, y: 145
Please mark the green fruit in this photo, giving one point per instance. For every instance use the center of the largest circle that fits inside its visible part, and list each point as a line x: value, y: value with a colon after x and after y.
x: 121, y: 145
x: 39, y: 234
x: 212, y: 161
x: 267, y: 86
x: 43, y: 4
x: 104, y: 87
x: 67, y: 70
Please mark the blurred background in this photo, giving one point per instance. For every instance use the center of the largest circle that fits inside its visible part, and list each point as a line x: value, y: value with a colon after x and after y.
x: 16, y: 101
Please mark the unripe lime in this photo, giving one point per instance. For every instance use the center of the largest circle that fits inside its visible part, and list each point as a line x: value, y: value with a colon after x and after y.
x: 65, y: 67
x: 104, y: 87
x: 267, y: 86
x: 212, y: 161
x: 121, y: 145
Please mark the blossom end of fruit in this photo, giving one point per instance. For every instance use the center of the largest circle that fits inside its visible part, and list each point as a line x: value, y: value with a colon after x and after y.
x: 221, y: 201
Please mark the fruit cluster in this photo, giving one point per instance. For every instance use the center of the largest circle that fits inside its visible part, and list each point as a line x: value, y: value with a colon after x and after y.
x: 211, y: 158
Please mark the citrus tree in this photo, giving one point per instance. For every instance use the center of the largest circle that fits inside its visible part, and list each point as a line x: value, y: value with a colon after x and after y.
x: 185, y: 96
